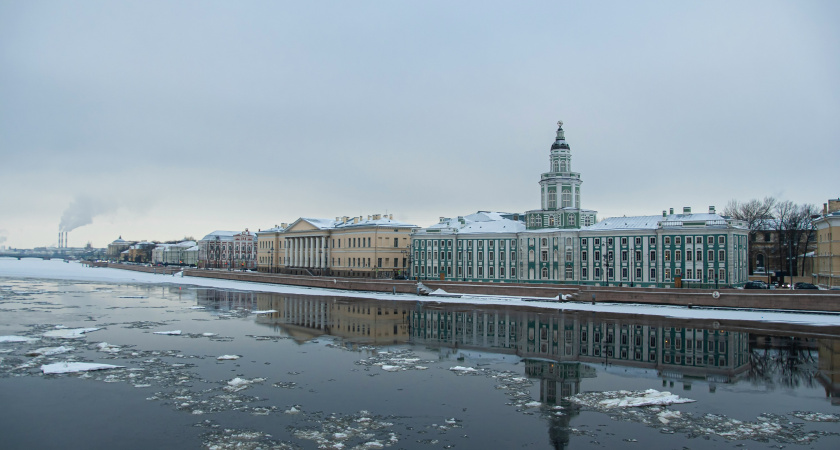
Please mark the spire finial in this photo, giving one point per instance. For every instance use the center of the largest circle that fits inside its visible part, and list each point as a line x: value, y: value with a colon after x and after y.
x: 560, y: 123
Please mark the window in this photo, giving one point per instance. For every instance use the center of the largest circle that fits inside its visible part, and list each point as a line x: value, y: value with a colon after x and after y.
x: 490, y: 272
x: 711, y: 274
x: 501, y: 272
x: 699, y: 255
x: 544, y: 256
x: 513, y: 272
x: 610, y: 255
x: 638, y: 255
x: 678, y: 255
x: 623, y: 273
x: 653, y: 255
x: 597, y: 241
x: 583, y: 273
x: 710, y: 240
x: 638, y: 241
x: 624, y: 241
x: 667, y: 255
x: 597, y: 273
x: 545, y: 273
x: 583, y: 256
x: 396, y: 242
x: 624, y: 255
x: 480, y: 272
x: 597, y: 255
x: 667, y: 240
x: 711, y: 255
x: 491, y: 255
x: 652, y: 274
x: 688, y: 254
x: 610, y: 241
x: 721, y: 240
x: 722, y: 275
x: 678, y: 240
x: 638, y: 273
x: 667, y: 274
x: 513, y: 256
x: 721, y: 255
x: 653, y: 241
x: 610, y: 272
x: 583, y: 241
x: 688, y: 239
x: 544, y: 242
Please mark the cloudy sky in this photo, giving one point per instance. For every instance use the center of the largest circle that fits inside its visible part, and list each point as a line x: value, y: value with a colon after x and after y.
x: 161, y: 119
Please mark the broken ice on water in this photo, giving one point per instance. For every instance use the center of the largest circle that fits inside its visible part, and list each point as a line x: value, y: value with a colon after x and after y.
x: 15, y: 339
x: 69, y: 333
x: 74, y: 367
x: 168, y: 333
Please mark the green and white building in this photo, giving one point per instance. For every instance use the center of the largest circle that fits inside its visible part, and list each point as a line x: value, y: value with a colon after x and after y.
x: 562, y: 243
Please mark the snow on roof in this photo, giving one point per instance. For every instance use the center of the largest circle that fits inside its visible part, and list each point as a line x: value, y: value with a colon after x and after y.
x: 480, y: 222
x: 321, y: 224
x: 222, y: 234
x: 654, y: 222
x: 375, y: 222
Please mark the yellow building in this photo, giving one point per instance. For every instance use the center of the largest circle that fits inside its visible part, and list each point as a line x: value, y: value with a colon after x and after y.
x: 827, y: 264
x: 372, y: 247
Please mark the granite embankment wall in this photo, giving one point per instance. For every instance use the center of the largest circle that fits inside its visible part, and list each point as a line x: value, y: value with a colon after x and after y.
x: 727, y: 298
x: 136, y: 268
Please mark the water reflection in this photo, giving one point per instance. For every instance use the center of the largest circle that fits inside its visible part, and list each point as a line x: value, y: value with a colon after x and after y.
x: 560, y: 348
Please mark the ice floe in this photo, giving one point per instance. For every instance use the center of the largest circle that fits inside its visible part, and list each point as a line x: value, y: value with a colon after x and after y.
x: 628, y: 399
x: 107, y: 348
x: 49, y: 351
x: 228, y: 357
x: 267, y: 311
x: 237, y: 384
x: 4, y: 339
x: 169, y: 333
x: 463, y: 370
x: 74, y: 367
x: 69, y: 333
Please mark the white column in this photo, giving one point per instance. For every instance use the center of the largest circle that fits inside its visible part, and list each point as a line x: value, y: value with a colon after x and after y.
x: 297, y: 252
x: 323, y: 252
x: 308, y: 247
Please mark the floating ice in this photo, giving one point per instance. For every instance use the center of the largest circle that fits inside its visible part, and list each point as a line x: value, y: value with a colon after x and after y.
x: 237, y: 384
x: 169, y: 333
x: 69, y: 333
x: 108, y: 348
x: 532, y: 404
x: 267, y: 311
x: 628, y: 399
x: 388, y: 368
x: 73, y: 367
x: 816, y: 417
x: 17, y: 339
x: 292, y: 410
x: 198, y: 307
x: 228, y: 357
x: 209, y: 334
x: 462, y: 369
x: 50, y: 351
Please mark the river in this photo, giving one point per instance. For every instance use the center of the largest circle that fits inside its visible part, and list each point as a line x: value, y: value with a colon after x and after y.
x: 198, y: 367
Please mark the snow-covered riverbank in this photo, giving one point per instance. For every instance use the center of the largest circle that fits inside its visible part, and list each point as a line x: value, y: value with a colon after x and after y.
x: 60, y: 270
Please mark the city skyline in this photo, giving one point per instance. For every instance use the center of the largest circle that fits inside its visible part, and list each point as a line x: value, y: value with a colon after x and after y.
x: 163, y: 120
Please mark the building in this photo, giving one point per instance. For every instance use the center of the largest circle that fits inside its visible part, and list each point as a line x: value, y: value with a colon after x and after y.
x: 372, y: 247
x: 560, y: 192
x: 118, y: 246
x: 551, y: 246
x: 228, y: 250
x: 182, y: 253
x: 827, y: 255
x: 140, y: 252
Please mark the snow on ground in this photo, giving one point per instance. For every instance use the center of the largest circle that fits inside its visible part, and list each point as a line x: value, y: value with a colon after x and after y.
x: 58, y: 270
x: 73, y: 367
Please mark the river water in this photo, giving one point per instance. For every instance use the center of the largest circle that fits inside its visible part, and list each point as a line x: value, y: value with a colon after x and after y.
x: 213, y: 368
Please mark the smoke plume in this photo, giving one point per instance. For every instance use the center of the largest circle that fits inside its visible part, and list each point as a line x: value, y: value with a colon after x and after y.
x: 82, y: 211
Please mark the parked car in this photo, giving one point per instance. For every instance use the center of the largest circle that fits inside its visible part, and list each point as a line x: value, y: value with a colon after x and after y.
x: 756, y: 285
x: 802, y: 285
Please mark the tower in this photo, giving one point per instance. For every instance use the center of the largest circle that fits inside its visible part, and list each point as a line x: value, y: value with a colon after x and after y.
x: 560, y: 205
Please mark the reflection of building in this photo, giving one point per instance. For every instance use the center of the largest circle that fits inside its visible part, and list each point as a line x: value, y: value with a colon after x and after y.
x: 829, y: 368
x: 306, y: 317
x: 661, y: 344
x: 557, y: 379
x: 220, y: 300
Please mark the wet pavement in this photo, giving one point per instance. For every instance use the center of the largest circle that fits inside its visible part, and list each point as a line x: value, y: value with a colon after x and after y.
x: 98, y: 365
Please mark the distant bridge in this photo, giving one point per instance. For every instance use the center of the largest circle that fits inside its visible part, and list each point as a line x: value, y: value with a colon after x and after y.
x: 40, y: 255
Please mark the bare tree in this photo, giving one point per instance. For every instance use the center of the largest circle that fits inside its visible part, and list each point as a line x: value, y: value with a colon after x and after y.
x: 756, y: 213
x: 793, y: 222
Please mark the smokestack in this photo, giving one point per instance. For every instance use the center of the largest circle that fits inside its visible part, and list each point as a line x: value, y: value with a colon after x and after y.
x: 59, y: 239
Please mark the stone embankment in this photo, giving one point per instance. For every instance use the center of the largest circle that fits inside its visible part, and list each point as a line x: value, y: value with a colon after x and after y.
x: 781, y: 299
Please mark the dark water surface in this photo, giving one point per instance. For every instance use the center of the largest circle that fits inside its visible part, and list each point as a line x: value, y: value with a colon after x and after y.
x: 333, y: 372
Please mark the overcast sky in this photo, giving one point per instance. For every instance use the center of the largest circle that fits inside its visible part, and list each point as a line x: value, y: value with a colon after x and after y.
x: 173, y: 118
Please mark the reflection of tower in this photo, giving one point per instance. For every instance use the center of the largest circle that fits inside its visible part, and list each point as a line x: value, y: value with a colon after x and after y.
x: 829, y: 368
x: 558, y: 380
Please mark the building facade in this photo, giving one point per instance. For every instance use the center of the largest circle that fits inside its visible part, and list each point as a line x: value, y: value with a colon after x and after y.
x: 372, y: 247
x: 551, y: 246
x: 228, y: 250
x: 827, y: 256
x: 182, y: 254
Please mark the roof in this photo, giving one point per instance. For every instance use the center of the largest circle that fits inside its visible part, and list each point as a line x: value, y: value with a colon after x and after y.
x: 222, y: 234
x: 479, y: 222
x: 655, y: 222
x: 321, y: 224
x: 375, y: 222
